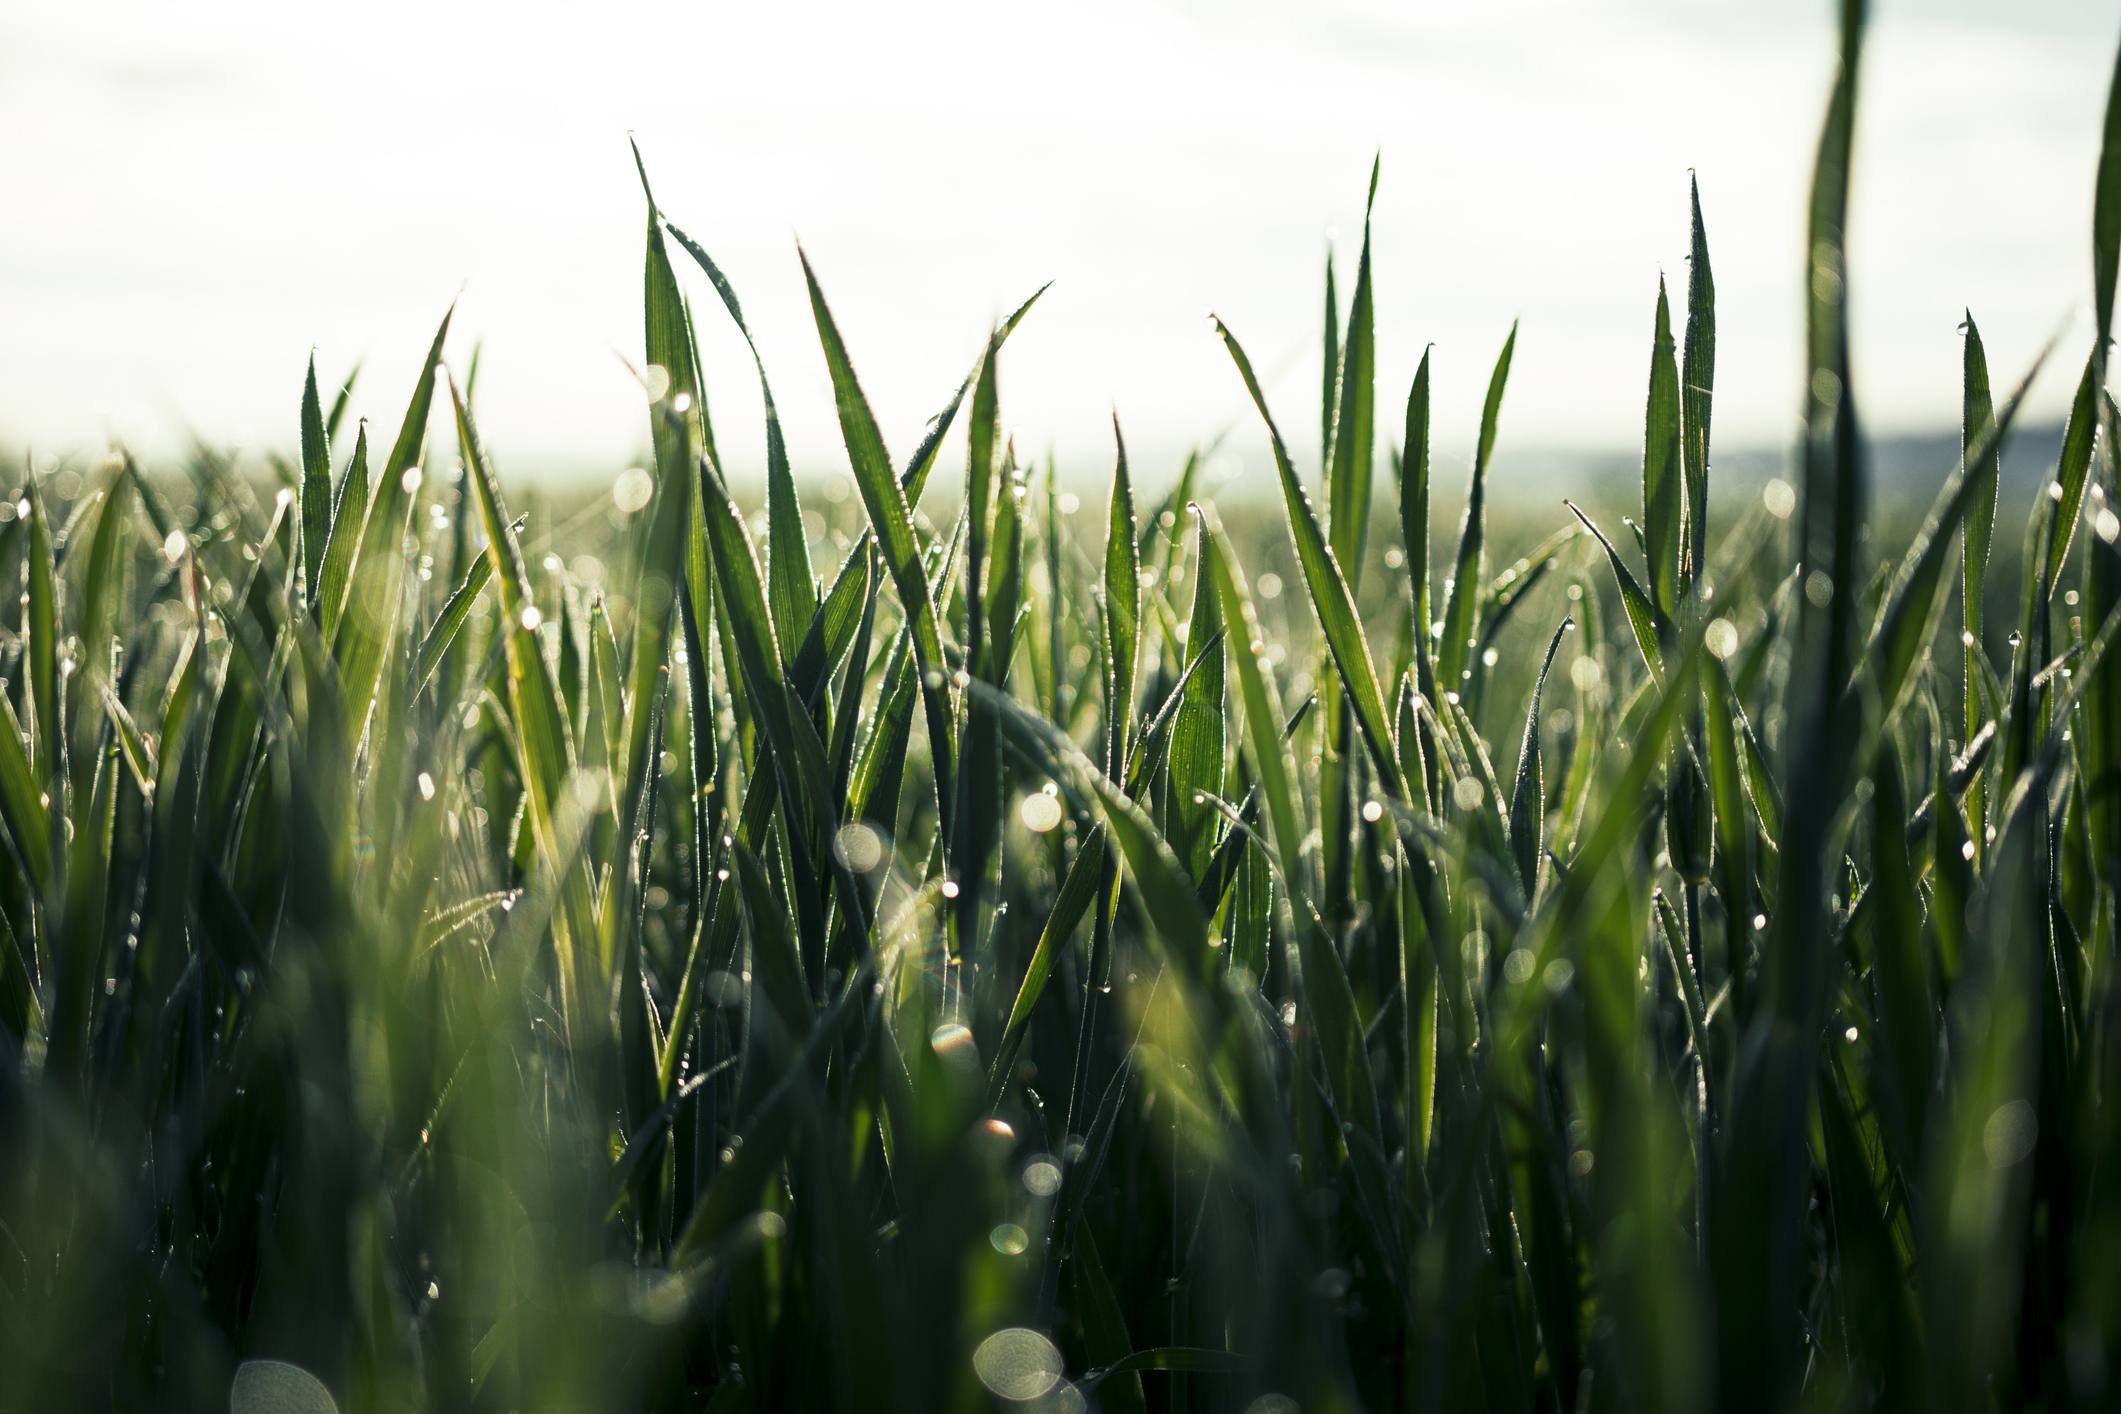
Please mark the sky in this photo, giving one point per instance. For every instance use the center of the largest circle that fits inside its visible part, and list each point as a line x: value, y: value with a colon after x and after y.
x: 194, y: 196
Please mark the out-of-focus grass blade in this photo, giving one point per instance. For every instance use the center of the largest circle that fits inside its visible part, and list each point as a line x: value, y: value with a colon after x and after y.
x: 1663, y: 469
x: 1462, y: 606
x: 369, y: 621
x: 22, y: 798
x: 1104, y: 1329
x: 1330, y: 597
x: 1528, y: 798
x: 316, y: 480
x: 1069, y: 905
x: 40, y: 622
x: 773, y: 951
x: 1697, y: 383
x: 540, y: 722
x: 1901, y: 970
x: 1754, y: 1248
x: 1354, y: 428
x: 2106, y: 218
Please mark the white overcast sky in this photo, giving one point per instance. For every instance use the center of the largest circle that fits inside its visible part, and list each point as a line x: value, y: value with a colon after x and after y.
x: 192, y: 195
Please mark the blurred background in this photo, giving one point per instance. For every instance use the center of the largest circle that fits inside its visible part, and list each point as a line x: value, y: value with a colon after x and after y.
x: 194, y: 196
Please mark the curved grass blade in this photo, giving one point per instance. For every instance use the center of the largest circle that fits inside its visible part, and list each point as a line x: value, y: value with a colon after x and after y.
x: 892, y: 520
x: 1649, y: 626
x: 1330, y: 597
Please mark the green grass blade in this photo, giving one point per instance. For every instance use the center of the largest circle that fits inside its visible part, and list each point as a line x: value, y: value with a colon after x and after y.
x: 1663, y: 470
x: 2106, y: 218
x: 1354, y: 427
x: 349, y: 513
x: 1122, y: 609
x: 1528, y: 796
x: 316, y: 480
x: 1414, y: 523
x: 1330, y: 596
x: 1462, y: 604
x: 2073, y: 469
x: 1977, y: 415
x: 892, y: 521
x: 1697, y: 384
x: 450, y: 621
x: 1649, y: 626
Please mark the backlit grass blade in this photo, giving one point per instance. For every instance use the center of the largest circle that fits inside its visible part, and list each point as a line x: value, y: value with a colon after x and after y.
x: 1414, y: 522
x: 369, y: 622
x: 1122, y: 608
x: 1908, y: 622
x: 792, y: 586
x: 1977, y: 413
x: 1754, y: 1249
x: 40, y: 626
x: 892, y: 521
x: 1649, y: 626
x: 349, y: 512
x: 1663, y: 468
x: 2073, y: 469
x: 1462, y: 602
x: 1196, y: 756
x: 1528, y: 796
x: 534, y: 704
x: 1330, y: 597
x: 451, y: 620
x: 1273, y: 766
x: 1069, y: 906
x: 915, y: 477
x: 1697, y: 384
x: 1354, y: 427
x: 316, y: 480
x: 2106, y: 219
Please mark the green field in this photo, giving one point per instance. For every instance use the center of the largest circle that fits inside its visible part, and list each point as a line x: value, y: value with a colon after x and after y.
x: 989, y: 951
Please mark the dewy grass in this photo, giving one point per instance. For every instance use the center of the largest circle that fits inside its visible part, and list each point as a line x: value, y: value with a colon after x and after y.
x: 601, y: 957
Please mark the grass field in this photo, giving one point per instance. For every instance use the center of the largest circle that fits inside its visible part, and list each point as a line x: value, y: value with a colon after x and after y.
x: 952, y: 948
